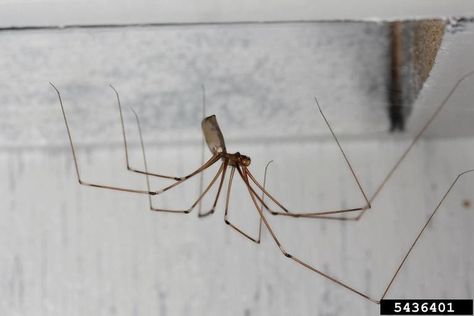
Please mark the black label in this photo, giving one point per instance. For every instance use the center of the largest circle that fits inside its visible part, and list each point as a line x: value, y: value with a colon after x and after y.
x: 426, y: 307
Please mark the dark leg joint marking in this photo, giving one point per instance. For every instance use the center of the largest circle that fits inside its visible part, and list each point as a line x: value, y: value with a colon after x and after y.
x: 211, y: 211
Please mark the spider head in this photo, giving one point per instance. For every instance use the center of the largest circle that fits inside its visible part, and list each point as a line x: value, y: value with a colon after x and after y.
x: 244, y: 160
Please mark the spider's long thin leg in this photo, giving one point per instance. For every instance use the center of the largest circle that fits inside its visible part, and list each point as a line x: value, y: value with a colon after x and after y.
x: 450, y: 188
x: 316, y: 214
x: 415, y: 140
x: 302, y: 215
x: 76, y: 164
x: 209, y: 163
x: 222, y: 170
x: 244, y: 175
x: 285, y: 211
x: 359, y: 186
x: 226, y: 213
x: 212, y: 210
x: 124, y: 136
x: 262, y: 198
x: 201, y: 177
x: 226, y: 219
x: 323, y: 214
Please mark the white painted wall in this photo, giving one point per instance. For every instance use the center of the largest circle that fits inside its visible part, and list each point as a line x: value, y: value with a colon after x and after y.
x: 70, y: 250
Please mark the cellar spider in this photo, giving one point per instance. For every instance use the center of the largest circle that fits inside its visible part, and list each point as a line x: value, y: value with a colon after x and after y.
x: 240, y: 163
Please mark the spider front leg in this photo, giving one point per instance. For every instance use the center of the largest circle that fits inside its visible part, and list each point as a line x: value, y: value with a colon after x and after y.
x: 417, y: 138
x: 124, y: 136
x: 360, y: 210
x: 284, y: 211
x: 209, y: 163
x: 244, y: 174
x: 76, y: 164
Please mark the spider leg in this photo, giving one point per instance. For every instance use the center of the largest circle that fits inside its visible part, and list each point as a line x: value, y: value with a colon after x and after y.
x: 209, y: 163
x: 450, y: 188
x: 285, y: 212
x: 359, y: 186
x: 361, y: 210
x: 226, y: 214
x: 226, y: 219
x: 317, y: 214
x: 124, y: 136
x: 201, y: 177
x: 417, y: 137
x: 244, y: 175
x: 76, y: 164
x: 201, y: 196
x: 211, y: 211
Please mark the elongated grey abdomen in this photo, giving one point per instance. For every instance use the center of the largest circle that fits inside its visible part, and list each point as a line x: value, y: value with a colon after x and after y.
x: 213, y: 134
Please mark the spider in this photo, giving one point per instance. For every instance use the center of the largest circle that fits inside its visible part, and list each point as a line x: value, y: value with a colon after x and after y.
x: 240, y: 164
